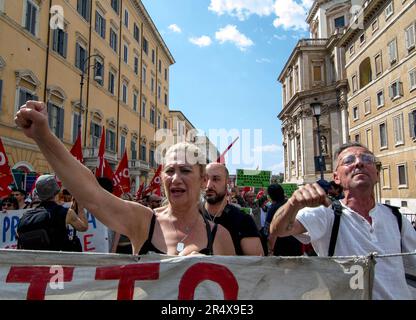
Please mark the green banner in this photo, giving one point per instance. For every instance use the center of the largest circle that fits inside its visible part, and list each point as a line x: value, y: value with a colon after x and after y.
x: 253, y: 178
x: 246, y: 210
x: 289, y: 188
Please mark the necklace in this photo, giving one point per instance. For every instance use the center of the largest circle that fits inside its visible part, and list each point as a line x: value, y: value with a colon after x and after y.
x: 212, y: 217
x: 180, y: 246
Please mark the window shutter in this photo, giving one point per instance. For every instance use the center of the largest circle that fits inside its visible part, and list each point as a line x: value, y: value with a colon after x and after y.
x: 103, y: 33
x: 412, y: 124
x: 97, y: 26
x: 60, y: 123
x: 49, y: 113
x: 65, y: 44
x: 55, y: 40
x: 33, y: 20
x: 400, y: 88
x: 77, y: 55
x: 391, y: 92
x: 87, y: 11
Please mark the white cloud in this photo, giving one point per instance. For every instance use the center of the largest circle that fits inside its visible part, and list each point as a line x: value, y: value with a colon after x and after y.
x: 203, y: 41
x: 175, y: 28
x: 268, y: 148
x: 291, y: 14
x: 277, y: 168
x: 263, y: 60
x: 280, y: 37
x: 242, y: 9
x: 231, y: 34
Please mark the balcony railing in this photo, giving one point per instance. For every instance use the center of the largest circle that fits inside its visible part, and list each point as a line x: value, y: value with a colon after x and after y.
x: 93, y: 153
x: 312, y: 42
x: 138, y: 164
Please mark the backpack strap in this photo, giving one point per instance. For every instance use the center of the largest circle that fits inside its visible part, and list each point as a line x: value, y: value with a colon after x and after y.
x: 396, y: 212
x: 337, y: 208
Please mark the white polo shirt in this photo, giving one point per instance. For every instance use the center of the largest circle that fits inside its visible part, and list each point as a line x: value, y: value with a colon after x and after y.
x: 357, y: 236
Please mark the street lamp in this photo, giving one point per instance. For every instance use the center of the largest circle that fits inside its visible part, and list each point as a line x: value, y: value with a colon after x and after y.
x: 96, y: 77
x: 316, y: 110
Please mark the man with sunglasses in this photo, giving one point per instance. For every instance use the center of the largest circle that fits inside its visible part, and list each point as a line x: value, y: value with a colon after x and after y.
x: 365, y: 226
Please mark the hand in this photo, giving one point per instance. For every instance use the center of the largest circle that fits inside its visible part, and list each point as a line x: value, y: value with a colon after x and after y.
x: 309, y: 195
x: 32, y: 117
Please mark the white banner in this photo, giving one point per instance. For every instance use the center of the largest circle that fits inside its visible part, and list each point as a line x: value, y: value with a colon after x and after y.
x: 60, y: 275
x: 95, y: 239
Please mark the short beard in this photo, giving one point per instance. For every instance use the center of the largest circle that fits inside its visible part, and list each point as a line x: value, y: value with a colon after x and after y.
x: 215, y: 199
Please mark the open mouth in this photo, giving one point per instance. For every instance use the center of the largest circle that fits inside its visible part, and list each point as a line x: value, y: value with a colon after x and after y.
x: 177, y: 191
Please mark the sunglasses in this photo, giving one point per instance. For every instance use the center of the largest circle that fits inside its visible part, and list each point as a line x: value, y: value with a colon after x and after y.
x: 366, y: 158
x: 7, y: 204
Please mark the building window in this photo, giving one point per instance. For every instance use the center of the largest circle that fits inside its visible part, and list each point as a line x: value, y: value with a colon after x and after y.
x: 339, y: 22
x: 160, y: 66
x: 124, y: 93
x: 152, y: 84
x: 410, y: 37
x: 383, y: 135
x: 354, y: 83
x: 113, y: 40
x: 152, y: 158
x: 166, y: 74
x: 402, y: 173
x: 144, y: 108
x: 56, y: 120
x: 115, y: 5
x: 352, y: 50
x: 122, y: 144
x: 362, y: 38
x: 153, y: 56
x: 111, y: 82
x: 398, y: 129
x: 60, y: 42
x: 357, y: 138
x: 80, y: 56
x: 165, y: 124
x: 136, y: 65
x: 110, y: 140
x: 412, y: 124
x: 403, y: 203
x: 126, y: 53
x: 95, y: 134
x: 100, y: 24
x: 136, y: 32
x: 76, y: 125
x: 126, y: 18
x: 412, y: 79
x: 143, y: 152
x: 396, y: 90
x: 144, y: 74
x: 166, y: 99
x: 366, y: 74
x: 25, y: 95
x: 385, y: 176
x: 31, y: 15
x: 152, y: 115
x: 378, y: 64
x: 389, y: 10
x: 374, y: 25
x: 367, y: 106
x: 133, y: 149
x: 158, y: 91
x: 83, y: 8
x: 159, y: 116
x: 380, y: 99
x: 317, y: 73
x: 392, y: 48
x: 355, y: 113
x: 145, y: 46
x: 99, y: 71
x: 135, y: 95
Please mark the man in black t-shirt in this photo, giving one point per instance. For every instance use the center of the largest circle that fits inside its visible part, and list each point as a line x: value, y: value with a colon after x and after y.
x: 241, y: 226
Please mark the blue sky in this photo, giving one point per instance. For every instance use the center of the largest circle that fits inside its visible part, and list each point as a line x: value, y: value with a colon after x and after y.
x: 228, y: 55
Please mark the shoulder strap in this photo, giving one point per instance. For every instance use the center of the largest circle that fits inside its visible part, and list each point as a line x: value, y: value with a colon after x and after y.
x: 152, y: 227
x: 210, y: 235
x: 396, y: 212
x: 337, y: 208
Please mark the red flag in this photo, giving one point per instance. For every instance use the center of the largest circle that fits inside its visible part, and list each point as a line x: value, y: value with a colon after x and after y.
x: 155, y: 184
x: 103, y: 167
x: 76, y: 150
x: 260, y: 194
x: 121, y: 179
x: 6, y: 176
x: 139, y: 192
x: 221, y: 158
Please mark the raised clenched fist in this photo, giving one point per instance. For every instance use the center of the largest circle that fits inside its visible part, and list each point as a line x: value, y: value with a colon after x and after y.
x: 32, y: 117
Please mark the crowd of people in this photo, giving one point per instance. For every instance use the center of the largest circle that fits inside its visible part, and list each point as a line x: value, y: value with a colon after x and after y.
x: 201, y: 214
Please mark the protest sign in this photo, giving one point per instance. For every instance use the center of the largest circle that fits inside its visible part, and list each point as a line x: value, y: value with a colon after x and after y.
x: 253, y: 178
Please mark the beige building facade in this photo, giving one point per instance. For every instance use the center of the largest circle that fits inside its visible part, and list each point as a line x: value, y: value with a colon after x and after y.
x: 125, y: 64
x: 381, y: 71
x: 315, y: 73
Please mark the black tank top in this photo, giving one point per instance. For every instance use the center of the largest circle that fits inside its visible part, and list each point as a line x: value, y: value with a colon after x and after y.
x: 149, y: 247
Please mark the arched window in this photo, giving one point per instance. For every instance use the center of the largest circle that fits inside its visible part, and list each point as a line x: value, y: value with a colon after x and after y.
x: 365, y: 72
